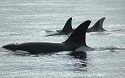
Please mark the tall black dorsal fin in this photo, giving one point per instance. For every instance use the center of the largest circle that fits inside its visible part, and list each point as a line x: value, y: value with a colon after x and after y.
x: 79, y: 35
x: 98, y: 26
x: 67, y: 27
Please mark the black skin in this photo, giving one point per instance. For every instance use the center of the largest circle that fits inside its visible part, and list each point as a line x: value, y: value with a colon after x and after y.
x: 97, y: 27
x: 75, y: 40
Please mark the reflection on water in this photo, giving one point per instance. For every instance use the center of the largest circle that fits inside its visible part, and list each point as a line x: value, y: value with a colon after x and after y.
x: 81, y: 65
x: 79, y: 54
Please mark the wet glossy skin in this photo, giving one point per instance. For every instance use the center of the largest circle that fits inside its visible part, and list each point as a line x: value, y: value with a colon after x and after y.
x: 75, y: 40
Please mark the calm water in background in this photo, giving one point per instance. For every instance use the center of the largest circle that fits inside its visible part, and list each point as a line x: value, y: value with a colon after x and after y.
x: 28, y: 20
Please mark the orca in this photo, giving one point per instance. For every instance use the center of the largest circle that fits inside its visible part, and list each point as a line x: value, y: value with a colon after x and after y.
x: 76, y: 39
x: 98, y: 26
x: 66, y: 29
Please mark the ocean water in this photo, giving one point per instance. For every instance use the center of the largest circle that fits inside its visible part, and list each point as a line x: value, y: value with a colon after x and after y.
x: 27, y: 21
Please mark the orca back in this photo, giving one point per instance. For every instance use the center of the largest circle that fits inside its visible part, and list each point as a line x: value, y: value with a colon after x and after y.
x: 67, y: 27
x: 98, y: 26
x: 78, y: 37
x: 66, y: 30
x: 75, y: 40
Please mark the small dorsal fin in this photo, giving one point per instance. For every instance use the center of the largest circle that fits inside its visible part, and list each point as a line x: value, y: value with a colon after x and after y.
x: 78, y: 37
x: 67, y: 27
x: 98, y: 26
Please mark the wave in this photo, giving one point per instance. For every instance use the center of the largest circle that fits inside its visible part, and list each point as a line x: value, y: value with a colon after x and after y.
x: 9, y: 33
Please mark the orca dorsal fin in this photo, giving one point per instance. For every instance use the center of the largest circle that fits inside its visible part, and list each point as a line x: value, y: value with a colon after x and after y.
x: 98, y: 26
x: 67, y: 27
x: 79, y: 35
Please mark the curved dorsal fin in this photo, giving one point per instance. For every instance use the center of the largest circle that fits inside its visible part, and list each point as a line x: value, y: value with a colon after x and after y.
x: 67, y: 27
x: 98, y: 26
x: 79, y: 35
